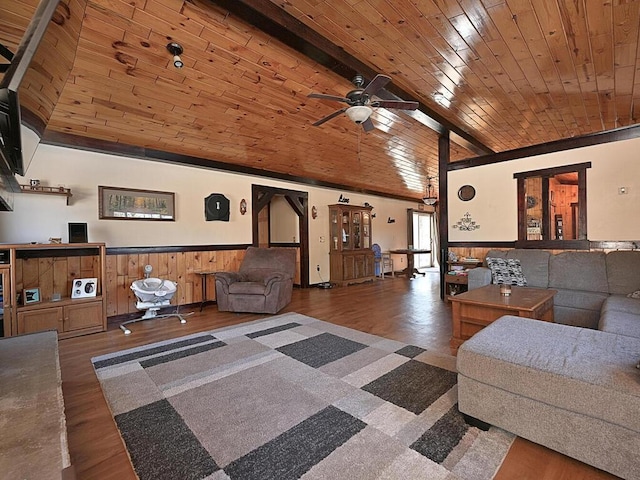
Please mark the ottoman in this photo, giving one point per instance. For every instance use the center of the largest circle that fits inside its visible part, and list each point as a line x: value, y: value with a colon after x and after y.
x: 571, y: 389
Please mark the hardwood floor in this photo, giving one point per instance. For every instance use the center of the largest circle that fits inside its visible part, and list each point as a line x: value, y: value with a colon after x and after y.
x: 396, y: 308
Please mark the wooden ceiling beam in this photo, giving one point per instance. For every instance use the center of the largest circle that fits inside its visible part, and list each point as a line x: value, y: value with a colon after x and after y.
x: 279, y: 24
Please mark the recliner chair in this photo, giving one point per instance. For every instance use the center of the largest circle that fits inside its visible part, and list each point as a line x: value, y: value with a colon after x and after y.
x: 263, y: 284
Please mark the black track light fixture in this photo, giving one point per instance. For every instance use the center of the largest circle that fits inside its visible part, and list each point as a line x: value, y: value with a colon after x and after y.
x: 176, y: 50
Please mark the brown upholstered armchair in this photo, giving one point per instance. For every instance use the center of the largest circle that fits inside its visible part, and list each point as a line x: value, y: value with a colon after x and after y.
x: 262, y: 285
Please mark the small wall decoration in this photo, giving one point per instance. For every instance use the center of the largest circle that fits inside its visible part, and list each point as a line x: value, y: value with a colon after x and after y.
x: 84, y: 288
x: 314, y: 212
x: 31, y: 295
x: 391, y: 220
x: 243, y: 206
x: 216, y: 207
x: 466, y: 224
x: 129, y: 204
x: 343, y: 199
x: 466, y: 193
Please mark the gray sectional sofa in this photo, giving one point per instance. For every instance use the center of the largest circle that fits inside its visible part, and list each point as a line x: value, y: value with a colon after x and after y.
x: 573, y: 385
x: 584, y: 280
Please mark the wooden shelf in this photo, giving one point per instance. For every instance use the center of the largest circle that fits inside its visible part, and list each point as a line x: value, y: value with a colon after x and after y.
x: 52, y: 268
x: 66, y: 192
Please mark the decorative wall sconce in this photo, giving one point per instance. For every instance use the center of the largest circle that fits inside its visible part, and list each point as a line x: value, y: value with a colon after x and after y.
x: 243, y: 206
x: 314, y: 212
x: 391, y: 220
x: 176, y: 50
x: 373, y: 215
x: 343, y: 199
x: 466, y: 224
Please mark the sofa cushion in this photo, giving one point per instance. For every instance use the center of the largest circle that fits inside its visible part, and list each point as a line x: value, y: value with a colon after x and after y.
x: 506, y: 271
x: 586, y: 271
x: 576, y: 369
x: 635, y: 294
x: 621, y: 304
x: 623, y: 272
x: 577, y: 317
x: 620, y: 315
x: 247, y: 288
x: 535, y: 265
x: 580, y: 299
x: 620, y: 323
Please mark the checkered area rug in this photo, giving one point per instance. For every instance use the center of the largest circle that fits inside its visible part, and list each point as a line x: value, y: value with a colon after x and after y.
x: 293, y: 397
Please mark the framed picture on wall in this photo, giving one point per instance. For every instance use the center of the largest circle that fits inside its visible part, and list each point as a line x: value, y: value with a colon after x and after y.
x: 116, y: 203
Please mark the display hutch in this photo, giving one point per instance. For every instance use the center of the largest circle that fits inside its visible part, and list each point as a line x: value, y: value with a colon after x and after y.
x: 350, y: 253
x: 37, y: 281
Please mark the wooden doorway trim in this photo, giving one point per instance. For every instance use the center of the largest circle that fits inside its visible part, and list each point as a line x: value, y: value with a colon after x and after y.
x: 261, y: 197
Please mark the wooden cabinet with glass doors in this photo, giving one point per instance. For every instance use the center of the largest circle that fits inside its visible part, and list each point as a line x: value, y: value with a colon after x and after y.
x: 351, y: 256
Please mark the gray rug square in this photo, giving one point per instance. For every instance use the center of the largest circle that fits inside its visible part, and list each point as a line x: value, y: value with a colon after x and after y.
x: 321, y: 349
x: 236, y: 414
x: 223, y: 405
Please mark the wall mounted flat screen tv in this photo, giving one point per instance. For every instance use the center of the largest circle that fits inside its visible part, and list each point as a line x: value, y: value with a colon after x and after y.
x: 15, y: 155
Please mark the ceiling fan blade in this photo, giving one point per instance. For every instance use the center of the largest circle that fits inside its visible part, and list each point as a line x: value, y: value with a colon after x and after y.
x: 376, y: 84
x: 328, y: 97
x: 397, y: 104
x: 367, y: 125
x: 329, y: 117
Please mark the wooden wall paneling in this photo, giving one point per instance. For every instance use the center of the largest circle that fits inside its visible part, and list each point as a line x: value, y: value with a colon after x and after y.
x: 61, y: 283
x: 44, y: 277
x: 89, y: 267
x: 210, y: 266
x: 109, y: 291
x: 123, y: 269
x: 181, y: 278
x: 173, y: 273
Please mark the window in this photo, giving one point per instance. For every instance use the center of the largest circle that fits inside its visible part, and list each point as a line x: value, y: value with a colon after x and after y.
x: 552, y: 207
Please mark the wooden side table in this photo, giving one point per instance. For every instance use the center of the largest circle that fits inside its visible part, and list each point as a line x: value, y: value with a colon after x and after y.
x: 204, y: 276
x: 475, y: 309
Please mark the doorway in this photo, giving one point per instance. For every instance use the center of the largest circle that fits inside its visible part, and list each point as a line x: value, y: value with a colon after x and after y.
x: 421, y: 235
x: 280, y: 218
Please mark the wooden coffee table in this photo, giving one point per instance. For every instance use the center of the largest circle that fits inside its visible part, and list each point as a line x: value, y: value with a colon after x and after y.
x: 475, y: 309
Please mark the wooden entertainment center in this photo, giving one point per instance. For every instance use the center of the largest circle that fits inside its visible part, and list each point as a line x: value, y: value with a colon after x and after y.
x: 37, y: 284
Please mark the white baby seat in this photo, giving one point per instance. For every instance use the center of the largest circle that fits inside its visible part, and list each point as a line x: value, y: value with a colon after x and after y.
x: 152, y: 294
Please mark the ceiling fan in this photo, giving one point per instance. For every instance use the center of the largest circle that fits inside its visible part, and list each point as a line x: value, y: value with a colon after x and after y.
x: 360, y: 103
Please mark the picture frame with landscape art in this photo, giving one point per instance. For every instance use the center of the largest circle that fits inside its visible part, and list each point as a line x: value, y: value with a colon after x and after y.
x: 115, y: 203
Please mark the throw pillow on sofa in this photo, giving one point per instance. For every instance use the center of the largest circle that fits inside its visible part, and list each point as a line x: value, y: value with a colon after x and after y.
x: 506, y: 271
x: 635, y: 294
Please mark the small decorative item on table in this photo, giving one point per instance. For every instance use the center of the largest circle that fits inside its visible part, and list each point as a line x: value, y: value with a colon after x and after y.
x: 505, y: 290
x: 31, y: 295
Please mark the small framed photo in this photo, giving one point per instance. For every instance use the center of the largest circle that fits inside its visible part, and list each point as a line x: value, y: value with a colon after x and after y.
x: 31, y: 295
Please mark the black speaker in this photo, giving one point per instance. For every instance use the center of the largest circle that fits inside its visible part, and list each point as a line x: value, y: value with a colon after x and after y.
x: 78, y: 233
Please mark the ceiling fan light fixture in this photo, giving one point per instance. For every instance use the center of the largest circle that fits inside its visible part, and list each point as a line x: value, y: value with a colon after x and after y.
x: 359, y: 113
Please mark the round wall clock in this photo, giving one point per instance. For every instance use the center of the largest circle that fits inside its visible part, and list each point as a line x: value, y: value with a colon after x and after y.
x: 466, y: 193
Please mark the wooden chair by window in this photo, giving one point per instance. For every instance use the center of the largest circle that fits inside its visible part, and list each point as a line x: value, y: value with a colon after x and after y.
x: 387, y: 264
x: 383, y: 263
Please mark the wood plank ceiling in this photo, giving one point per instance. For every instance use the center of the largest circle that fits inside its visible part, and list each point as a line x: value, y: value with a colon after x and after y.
x: 503, y: 73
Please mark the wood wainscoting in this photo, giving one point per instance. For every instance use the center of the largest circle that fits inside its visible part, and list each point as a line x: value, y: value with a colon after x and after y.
x: 123, y: 266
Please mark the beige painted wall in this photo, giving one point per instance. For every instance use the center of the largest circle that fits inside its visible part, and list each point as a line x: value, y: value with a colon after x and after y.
x: 36, y: 218
x: 610, y: 216
x: 284, y: 221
